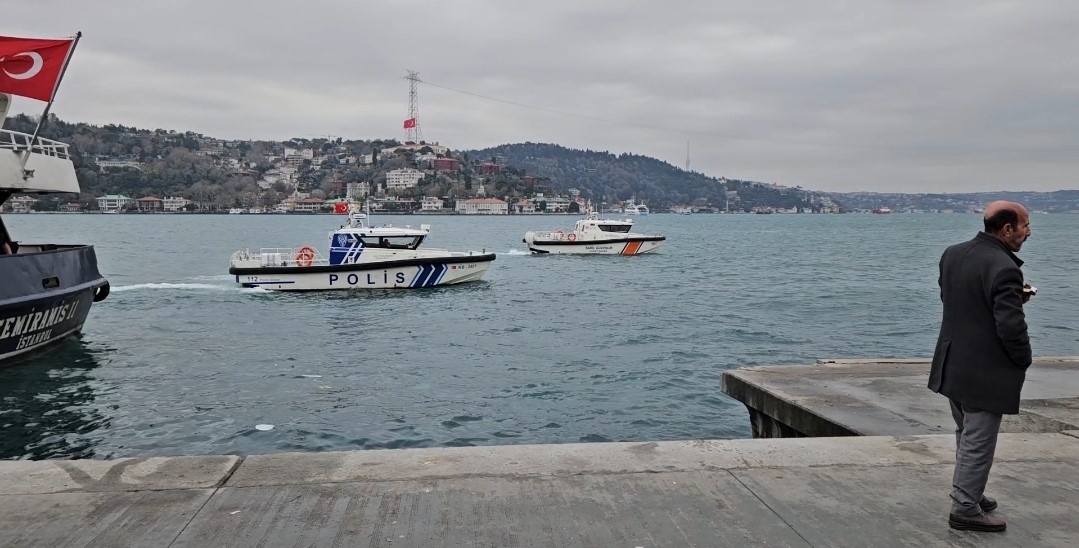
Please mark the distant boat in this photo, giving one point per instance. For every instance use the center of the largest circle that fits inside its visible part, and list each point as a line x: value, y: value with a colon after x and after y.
x: 594, y: 236
x: 763, y: 210
x: 882, y: 211
x: 639, y: 209
x: 236, y: 211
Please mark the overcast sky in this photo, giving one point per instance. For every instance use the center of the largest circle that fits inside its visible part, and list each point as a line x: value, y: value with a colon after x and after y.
x: 896, y: 96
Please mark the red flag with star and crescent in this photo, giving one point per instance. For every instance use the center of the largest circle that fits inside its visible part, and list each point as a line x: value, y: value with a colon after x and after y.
x: 30, y: 67
x: 410, y: 123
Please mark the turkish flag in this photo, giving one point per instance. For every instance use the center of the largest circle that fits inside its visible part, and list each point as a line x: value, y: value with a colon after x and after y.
x: 410, y: 123
x: 340, y: 207
x: 30, y: 67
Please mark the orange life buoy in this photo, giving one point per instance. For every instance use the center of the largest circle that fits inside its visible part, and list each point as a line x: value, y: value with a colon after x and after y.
x: 305, y: 256
x: 571, y: 236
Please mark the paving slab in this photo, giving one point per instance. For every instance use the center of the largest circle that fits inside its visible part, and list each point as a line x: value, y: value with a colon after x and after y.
x: 887, y: 398
x: 106, y: 519
x: 132, y: 474
x: 666, y: 509
x: 909, y: 505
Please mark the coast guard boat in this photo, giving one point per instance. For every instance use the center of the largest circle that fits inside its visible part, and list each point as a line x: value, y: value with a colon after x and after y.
x: 46, y: 289
x: 361, y: 257
x: 594, y: 236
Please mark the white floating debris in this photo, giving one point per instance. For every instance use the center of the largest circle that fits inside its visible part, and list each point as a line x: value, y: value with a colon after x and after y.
x: 234, y: 512
x: 311, y: 376
x: 264, y: 427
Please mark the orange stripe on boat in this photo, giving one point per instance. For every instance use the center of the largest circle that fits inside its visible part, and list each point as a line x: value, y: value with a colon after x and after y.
x: 631, y: 248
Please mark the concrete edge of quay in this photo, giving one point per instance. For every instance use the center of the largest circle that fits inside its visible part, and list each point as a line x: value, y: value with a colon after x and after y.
x: 863, y: 397
x: 515, y: 461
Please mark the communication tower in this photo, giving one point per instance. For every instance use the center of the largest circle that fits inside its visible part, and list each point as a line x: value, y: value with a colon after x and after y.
x: 412, y: 123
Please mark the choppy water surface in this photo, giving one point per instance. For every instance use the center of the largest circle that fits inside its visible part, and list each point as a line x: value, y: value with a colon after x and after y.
x: 549, y: 349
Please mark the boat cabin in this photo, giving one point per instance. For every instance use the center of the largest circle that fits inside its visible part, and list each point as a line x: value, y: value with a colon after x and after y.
x: 394, y: 241
x: 348, y: 243
x: 592, y: 225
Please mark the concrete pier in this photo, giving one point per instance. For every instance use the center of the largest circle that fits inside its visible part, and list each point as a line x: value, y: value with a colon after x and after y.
x: 888, y: 398
x: 858, y: 491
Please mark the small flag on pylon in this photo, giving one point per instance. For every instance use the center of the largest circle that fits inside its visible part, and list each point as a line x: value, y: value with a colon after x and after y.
x: 410, y: 123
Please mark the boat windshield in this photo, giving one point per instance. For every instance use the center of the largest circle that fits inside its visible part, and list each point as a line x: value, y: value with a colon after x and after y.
x: 392, y: 242
x: 615, y: 228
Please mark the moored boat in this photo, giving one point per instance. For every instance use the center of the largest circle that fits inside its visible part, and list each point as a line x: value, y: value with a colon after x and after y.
x: 360, y: 257
x: 594, y: 236
x: 46, y: 289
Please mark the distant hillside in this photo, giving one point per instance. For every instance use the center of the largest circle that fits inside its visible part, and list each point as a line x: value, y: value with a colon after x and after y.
x: 608, y: 178
x: 217, y: 175
x: 1061, y: 201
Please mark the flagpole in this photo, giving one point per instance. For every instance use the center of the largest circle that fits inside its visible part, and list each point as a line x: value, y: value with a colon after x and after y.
x: 45, y: 115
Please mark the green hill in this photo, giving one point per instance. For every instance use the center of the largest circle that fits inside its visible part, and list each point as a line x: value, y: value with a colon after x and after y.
x: 608, y: 178
x: 114, y: 159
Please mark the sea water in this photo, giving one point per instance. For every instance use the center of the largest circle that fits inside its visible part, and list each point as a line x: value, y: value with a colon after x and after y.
x: 180, y: 360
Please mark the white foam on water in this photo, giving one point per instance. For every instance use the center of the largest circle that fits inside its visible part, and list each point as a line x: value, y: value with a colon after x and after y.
x: 214, y: 277
x: 517, y: 252
x: 264, y: 427
x: 176, y: 286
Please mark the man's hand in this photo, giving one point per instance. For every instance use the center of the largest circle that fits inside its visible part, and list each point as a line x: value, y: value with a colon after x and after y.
x: 1028, y: 292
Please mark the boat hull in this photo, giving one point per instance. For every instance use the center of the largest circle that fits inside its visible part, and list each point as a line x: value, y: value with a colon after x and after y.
x: 411, y: 273
x: 46, y: 297
x: 630, y: 246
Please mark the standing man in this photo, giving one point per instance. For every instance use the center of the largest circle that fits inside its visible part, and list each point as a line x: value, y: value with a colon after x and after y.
x: 982, y: 353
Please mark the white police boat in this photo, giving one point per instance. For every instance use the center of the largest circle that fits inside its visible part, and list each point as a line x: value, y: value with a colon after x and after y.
x: 594, y: 236
x: 361, y: 257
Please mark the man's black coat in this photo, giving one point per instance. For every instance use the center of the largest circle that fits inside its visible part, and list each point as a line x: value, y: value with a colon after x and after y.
x: 983, y: 350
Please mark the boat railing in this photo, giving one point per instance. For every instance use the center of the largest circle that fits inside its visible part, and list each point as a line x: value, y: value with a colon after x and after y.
x: 282, y: 256
x: 19, y: 142
x: 555, y: 235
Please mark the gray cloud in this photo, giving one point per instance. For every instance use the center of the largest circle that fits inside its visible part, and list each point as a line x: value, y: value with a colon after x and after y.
x: 837, y: 95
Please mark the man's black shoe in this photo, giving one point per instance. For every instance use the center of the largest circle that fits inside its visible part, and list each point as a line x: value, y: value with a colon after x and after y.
x: 977, y: 522
x: 987, y: 504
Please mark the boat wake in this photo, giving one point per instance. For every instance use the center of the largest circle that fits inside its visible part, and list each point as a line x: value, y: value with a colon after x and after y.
x: 513, y: 252
x: 180, y: 287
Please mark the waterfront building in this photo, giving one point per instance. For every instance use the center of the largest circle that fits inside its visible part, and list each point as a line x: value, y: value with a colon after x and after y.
x: 150, y: 204
x: 431, y: 204
x: 482, y: 206
x: 524, y: 207
x: 174, y: 203
x: 22, y: 204
x: 113, y: 202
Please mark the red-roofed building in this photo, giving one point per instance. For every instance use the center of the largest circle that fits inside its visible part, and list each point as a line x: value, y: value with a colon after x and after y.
x: 489, y: 168
x: 150, y: 204
x: 446, y: 164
